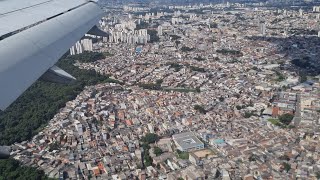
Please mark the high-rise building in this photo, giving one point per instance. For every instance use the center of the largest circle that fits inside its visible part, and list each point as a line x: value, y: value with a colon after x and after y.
x: 87, y: 44
x: 300, y: 12
x: 80, y: 46
x: 262, y: 27
x: 316, y: 8
x: 159, y: 30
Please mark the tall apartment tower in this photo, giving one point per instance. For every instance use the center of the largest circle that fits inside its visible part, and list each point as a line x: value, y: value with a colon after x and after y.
x: 159, y: 30
x: 300, y: 12
x: 262, y: 27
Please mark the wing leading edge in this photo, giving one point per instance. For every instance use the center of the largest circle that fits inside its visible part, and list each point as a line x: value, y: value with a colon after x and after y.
x: 28, y: 54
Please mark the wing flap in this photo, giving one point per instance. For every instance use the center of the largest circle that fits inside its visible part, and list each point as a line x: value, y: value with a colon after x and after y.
x: 17, y: 14
x: 25, y: 56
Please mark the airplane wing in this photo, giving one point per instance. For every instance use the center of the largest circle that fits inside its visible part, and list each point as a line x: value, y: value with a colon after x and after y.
x: 34, y: 34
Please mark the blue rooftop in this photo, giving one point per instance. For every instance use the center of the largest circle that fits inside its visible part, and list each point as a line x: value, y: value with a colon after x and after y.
x: 219, y: 141
x: 138, y: 49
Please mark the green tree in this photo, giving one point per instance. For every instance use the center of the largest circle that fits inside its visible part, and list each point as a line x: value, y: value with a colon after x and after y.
x: 221, y: 99
x: 88, y: 56
x: 247, y: 114
x: 150, y: 138
x: 239, y: 107
x: 200, y: 109
x: 153, y: 36
x: 147, y: 160
x: 159, y: 81
x: 186, y: 49
x: 286, y: 118
x: 182, y: 155
x: 157, y: 151
x: 286, y: 166
x: 12, y: 169
x: 252, y: 158
x: 199, y: 58
x: 303, y: 78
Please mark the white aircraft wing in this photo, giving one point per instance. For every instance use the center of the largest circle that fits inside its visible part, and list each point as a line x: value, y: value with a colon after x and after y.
x: 34, y: 34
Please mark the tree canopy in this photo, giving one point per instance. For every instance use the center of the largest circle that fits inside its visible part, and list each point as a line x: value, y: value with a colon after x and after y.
x: 286, y: 118
x: 11, y: 169
x: 200, y: 109
x: 88, y: 56
x: 157, y: 151
x: 150, y: 138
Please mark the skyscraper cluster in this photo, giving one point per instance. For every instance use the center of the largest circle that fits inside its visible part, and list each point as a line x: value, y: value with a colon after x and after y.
x: 81, y: 46
x: 316, y: 8
x: 126, y: 32
x: 140, y: 36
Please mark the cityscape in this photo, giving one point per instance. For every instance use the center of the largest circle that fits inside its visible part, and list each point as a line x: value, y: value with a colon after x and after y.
x: 222, y: 91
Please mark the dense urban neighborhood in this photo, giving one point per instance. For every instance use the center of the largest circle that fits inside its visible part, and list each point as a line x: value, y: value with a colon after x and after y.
x: 204, y: 91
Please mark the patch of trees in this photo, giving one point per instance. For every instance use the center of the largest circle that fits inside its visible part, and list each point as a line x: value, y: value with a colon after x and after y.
x: 53, y: 146
x: 186, y: 49
x: 153, y: 35
x: 198, y: 69
x: 183, y: 90
x: 159, y: 81
x: 37, y: 105
x: 302, y: 63
x: 229, y: 52
x: 166, y: 17
x: 240, y: 107
x: 150, y: 138
x: 196, y: 11
x: 280, y: 76
x: 275, y: 122
x: 200, y: 109
x: 213, y: 25
x: 147, y: 159
x: 12, y: 169
x: 87, y: 57
x: 286, y: 118
x: 199, y: 58
x: 177, y: 67
x: 248, y: 114
x: 303, y: 77
x: 253, y: 157
x: 157, y: 151
x: 146, y: 140
x: 177, y: 43
x: 150, y: 86
x: 240, y: 17
x: 286, y: 166
x: 158, y: 9
x: 142, y: 25
x: 182, y: 155
x: 303, y: 32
